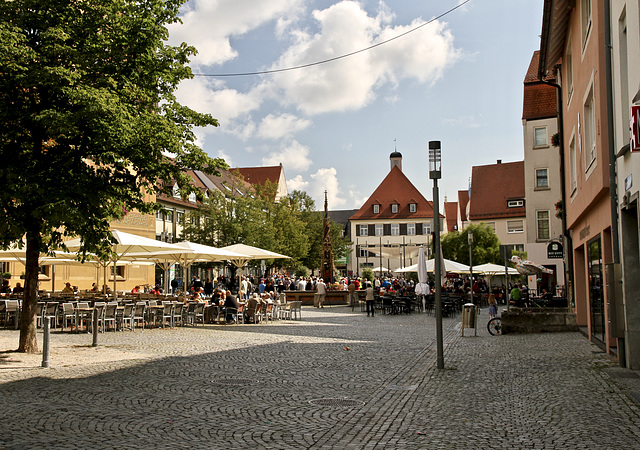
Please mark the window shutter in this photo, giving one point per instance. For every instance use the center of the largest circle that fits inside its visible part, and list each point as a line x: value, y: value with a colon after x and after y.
x: 387, y: 229
x: 403, y: 229
x: 418, y: 229
x: 372, y: 230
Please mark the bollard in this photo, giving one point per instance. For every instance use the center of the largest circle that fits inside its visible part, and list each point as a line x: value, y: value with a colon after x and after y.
x: 95, y: 329
x: 45, y: 341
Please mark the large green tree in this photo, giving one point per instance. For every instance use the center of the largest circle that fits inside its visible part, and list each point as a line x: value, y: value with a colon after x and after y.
x: 87, y: 115
x: 486, y: 245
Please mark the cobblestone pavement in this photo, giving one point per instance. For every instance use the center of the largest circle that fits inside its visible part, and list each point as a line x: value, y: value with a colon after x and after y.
x: 336, y: 379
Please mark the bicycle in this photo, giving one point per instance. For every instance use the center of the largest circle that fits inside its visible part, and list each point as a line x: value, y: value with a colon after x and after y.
x: 494, y: 326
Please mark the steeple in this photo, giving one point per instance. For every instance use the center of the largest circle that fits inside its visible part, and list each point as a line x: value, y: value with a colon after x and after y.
x: 395, y: 157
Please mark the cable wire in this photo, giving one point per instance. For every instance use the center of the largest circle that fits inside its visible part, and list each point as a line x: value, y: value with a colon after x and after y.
x: 335, y: 58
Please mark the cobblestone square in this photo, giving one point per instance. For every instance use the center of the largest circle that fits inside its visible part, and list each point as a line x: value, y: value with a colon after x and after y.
x: 335, y: 379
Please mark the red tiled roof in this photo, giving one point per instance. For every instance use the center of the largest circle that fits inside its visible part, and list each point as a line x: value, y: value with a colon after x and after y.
x: 395, y: 188
x: 539, y: 100
x: 492, y: 186
x: 451, y: 213
x: 463, y: 200
x: 260, y: 175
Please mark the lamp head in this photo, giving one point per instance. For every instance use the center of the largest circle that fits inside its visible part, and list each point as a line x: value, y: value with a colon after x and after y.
x: 435, y: 160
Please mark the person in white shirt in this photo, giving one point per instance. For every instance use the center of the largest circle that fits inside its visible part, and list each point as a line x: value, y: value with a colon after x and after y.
x: 321, y: 289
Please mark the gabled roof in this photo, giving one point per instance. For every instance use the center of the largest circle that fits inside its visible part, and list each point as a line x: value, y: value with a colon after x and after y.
x: 492, y: 186
x: 463, y: 200
x: 539, y: 100
x: 451, y: 213
x: 395, y: 189
x: 260, y: 175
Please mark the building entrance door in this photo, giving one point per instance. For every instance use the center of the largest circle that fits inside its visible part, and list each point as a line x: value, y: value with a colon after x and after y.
x: 594, y: 261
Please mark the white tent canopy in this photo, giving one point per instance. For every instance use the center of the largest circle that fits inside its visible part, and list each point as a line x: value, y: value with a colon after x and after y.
x: 449, y: 266
x: 493, y: 269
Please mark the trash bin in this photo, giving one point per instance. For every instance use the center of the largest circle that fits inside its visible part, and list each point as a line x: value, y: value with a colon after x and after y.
x: 469, y: 317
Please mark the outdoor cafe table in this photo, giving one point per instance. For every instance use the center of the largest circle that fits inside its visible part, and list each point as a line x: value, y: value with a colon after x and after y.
x: 81, y: 310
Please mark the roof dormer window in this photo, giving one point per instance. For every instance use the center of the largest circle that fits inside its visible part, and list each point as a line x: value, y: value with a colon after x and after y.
x: 515, y: 203
x: 394, y: 208
x: 192, y: 197
x: 176, y: 191
x: 413, y: 207
x: 376, y: 209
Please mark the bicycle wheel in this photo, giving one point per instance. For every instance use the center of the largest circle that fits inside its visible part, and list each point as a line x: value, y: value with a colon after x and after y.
x: 494, y: 326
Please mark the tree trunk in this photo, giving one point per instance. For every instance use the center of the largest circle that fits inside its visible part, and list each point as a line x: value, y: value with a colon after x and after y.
x: 28, y: 340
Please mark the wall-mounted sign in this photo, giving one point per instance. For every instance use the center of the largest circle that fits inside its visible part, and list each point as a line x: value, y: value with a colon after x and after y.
x: 555, y: 250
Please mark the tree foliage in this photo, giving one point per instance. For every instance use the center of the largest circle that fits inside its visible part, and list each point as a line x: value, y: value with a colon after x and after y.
x: 87, y: 115
x: 485, y: 248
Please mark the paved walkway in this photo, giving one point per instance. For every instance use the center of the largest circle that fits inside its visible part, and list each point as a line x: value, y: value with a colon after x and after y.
x: 336, y: 379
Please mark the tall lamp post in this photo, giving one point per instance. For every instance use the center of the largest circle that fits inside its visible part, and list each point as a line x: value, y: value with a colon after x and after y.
x: 435, y: 163
x: 470, y: 240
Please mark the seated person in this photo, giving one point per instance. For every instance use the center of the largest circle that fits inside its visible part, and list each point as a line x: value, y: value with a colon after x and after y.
x: 231, y: 305
x: 545, y: 295
x: 135, y: 290
x: 252, y: 304
x: 198, y: 295
x: 67, y: 288
x: 5, y: 289
x: 18, y: 289
x: 94, y: 287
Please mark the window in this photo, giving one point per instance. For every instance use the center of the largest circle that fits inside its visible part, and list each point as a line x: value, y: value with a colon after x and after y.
x: 180, y: 216
x: 376, y: 209
x: 119, y: 271
x: 540, y: 137
x: 542, y: 220
x: 411, y: 229
x: 589, y: 131
x: 569, y: 65
x: 491, y: 225
x: 364, y: 230
x: 413, y: 207
x: 192, y: 197
x: 394, y: 208
x: 515, y: 203
x: 379, y: 229
x: 515, y: 226
x: 362, y: 252
x: 586, y: 21
x: 542, y: 178
x: 168, y: 216
x: 176, y: 191
x: 395, y: 229
x: 159, y: 215
x: 573, y: 162
x: 426, y: 228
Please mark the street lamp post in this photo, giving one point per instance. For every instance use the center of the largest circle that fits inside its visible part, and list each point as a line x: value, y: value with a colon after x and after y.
x: 435, y: 163
x: 470, y: 240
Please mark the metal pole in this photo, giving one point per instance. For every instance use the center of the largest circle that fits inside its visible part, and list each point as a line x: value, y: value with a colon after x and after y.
x: 45, y: 341
x: 438, y: 273
x: 470, y: 238
x: 95, y: 328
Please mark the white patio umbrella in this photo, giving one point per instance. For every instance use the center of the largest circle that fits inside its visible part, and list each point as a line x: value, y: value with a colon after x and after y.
x: 250, y: 253
x: 493, y: 269
x: 449, y: 266
x: 380, y: 269
x: 126, y: 244
x: 422, y: 288
x: 186, y: 253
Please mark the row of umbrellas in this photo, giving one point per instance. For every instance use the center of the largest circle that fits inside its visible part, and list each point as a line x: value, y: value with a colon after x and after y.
x: 454, y: 267
x: 130, y: 247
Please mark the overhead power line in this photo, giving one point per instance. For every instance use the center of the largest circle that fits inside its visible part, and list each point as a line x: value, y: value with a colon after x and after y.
x: 324, y: 61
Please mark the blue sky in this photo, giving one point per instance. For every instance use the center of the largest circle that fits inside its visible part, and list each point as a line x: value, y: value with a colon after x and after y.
x: 332, y: 126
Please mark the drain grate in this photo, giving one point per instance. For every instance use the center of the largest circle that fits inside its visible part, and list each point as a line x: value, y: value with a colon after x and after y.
x: 234, y: 381
x: 337, y: 402
x: 396, y: 387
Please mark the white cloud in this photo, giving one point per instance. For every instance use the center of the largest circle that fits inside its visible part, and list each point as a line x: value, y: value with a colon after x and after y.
x: 352, y: 83
x: 297, y: 183
x: 326, y: 180
x: 208, y: 25
x: 279, y: 126
x: 294, y: 157
x: 222, y: 154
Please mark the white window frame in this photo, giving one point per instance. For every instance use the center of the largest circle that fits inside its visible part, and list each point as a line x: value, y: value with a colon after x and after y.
x: 537, y: 144
x: 394, y: 208
x: 395, y: 229
x: 514, y: 204
x: 491, y: 225
x: 515, y: 226
x: 426, y: 229
x: 573, y: 162
x: 538, y: 178
x: 376, y: 209
x: 379, y: 229
x: 568, y: 63
x: 413, y: 207
x: 585, y: 7
x: 364, y: 230
x: 589, y: 130
x: 176, y: 191
x: 192, y: 197
x: 539, y: 220
x: 411, y: 229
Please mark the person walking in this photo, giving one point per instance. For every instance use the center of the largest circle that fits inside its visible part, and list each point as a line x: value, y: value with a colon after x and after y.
x: 321, y: 291
x: 370, y: 300
x: 352, y: 295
